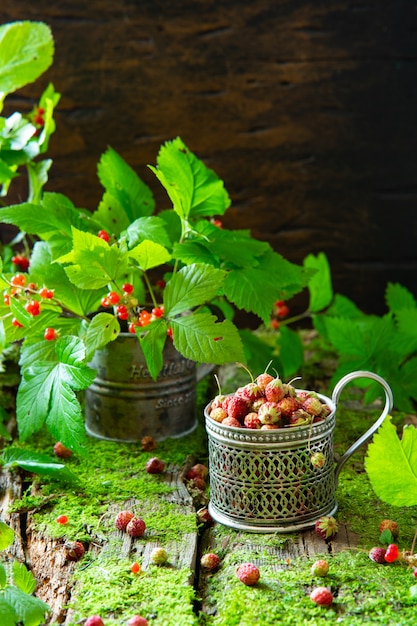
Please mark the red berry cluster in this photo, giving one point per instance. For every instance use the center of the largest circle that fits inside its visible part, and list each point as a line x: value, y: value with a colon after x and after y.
x: 21, y: 261
x: 267, y: 403
x: 279, y: 312
x: 127, y: 308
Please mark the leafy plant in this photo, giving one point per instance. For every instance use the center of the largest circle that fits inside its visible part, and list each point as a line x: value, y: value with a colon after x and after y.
x: 18, y: 605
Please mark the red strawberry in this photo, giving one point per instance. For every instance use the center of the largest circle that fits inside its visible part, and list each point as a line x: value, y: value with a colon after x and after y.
x: 326, y: 527
x: 210, y: 561
x: 320, y: 568
x: 312, y: 406
x: 389, y: 524
x: 231, y: 421
x: 248, y: 574
x: 137, y: 620
x: 274, y: 391
x: 377, y: 554
x: 197, y: 470
x: 61, y: 451
x: 237, y: 407
x: 287, y: 406
x: 269, y: 413
x: 322, y: 596
x: 94, y: 620
x: 391, y: 553
x: 122, y: 519
x: 75, y: 551
x: 263, y: 379
x: 155, y: 465
x: 252, y: 421
x: 251, y: 392
x: 218, y: 414
x: 136, y: 527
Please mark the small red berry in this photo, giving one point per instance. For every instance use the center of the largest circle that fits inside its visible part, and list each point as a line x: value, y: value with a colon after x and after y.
x: 104, y: 235
x: 21, y: 262
x: 326, y: 527
x: 133, y: 326
x: 136, y: 527
x: 62, y: 519
x: 155, y: 466
x: 210, y: 561
x: 148, y: 443
x: 50, y: 334
x: 322, y: 596
x: 46, y: 293
x: 6, y: 299
x: 391, y: 553
x: 75, y: 551
x: 113, y: 297
x: 320, y: 568
x: 197, y: 470
x: 33, y: 307
x: 415, y: 572
x: 61, y: 451
x: 18, y: 280
x: 158, y: 311
x: 128, y: 288
x: 377, y: 555
x: 135, y: 568
x: 138, y: 620
x: 16, y: 323
x: 248, y: 574
x: 122, y: 519
x: 94, y: 620
x: 122, y: 312
x: 144, y: 318
x: 105, y: 302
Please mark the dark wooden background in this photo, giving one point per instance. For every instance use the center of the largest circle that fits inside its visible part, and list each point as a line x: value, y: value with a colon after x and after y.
x: 306, y: 109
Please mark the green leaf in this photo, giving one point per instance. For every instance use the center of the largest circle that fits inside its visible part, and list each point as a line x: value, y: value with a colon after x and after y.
x: 192, y: 286
x: 291, y: 351
x: 152, y: 342
x: 6, y: 536
x: 3, y: 574
x: 102, y: 329
x: 7, y: 612
x: 38, y: 463
x: 23, y: 579
x: 398, y: 297
x: 190, y: 252
x: 391, y: 464
x: 320, y: 284
x: 194, y: 189
x: 413, y: 591
x: 255, y: 290
x: 29, y: 610
x: 124, y: 185
x: 152, y: 228
x: 26, y: 52
x: 149, y: 254
x: 95, y: 264
x: 202, y: 339
x: 258, y: 353
x: 235, y: 247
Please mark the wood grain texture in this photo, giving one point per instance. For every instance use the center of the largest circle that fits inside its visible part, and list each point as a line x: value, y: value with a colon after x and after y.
x: 305, y: 109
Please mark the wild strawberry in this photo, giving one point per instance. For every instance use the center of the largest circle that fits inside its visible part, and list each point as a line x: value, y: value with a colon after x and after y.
x: 218, y: 414
x: 105, y: 302
x: 16, y: 323
x: 237, y: 408
x: 389, y: 524
x: 94, y: 620
x: 322, y: 596
x: 122, y: 519
x: 210, y: 561
x: 250, y: 392
x: 21, y: 262
x: 320, y: 568
x: 198, y: 482
x: 391, y: 553
x: 6, y: 299
x: 136, y: 527
x: 144, y: 318
x: 104, y: 235
x: 137, y: 620
x: 148, y: 443
x: 312, y: 406
x: 231, y: 421
x: 159, y: 556
x: 287, y: 406
x: 62, y: 519
x: 326, y: 527
x: 75, y: 551
x: 128, y: 288
x: 18, y: 280
x: 299, y: 418
x: 33, y: 307
x: 377, y: 554
x: 122, y: 312
x: 158, y: 311
x: 318, y: 460
x: 252, y: 421
x: 281, y: 309
x: 50, y: 334
x: 269, y: 413
x: 248, y: 574
x: 204, y: 517
x: 135, y: 568
x: 197, y: 470
x: 61, y: 451
x: 269, y: 426
x: 263, y: 380
x: 46, y: 294
x: 133, y: 326
x: 274, y: 391
x: 113, y: 297
x: 155, y: 465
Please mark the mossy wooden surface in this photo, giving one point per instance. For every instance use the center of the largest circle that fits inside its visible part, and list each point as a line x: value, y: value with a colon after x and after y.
x: 113, y: 477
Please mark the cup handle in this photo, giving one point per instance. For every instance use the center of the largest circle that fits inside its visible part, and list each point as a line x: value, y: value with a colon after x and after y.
x: 368, y: 434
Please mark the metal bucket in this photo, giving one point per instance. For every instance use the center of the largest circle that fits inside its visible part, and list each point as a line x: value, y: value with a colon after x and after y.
x: 263, y: 480
x: 125, y: 404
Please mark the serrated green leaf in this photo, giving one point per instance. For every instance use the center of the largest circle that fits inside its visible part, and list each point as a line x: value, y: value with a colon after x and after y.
x: 38, y: 463
x: 152, y: 342
x: 398, y: 297
x: 23, y: 578
x: 391, y: 464
x: 102, y: 329
x: 343, y: 307
x: 6, y: 536
x: 201, y: 338
x: 320, y: 283
x: 291, y: 351
x: 111, y: 215
x: 95, y: 264
x: 123, y: 184
x: 26, y: 52
x: 194, y: 189
x: 192, y: 286
x: 30, y: 610
x: 190, y: 252
x: 151, y: 227
x: 149, y: 254
x: 7, y: 612
x: 235, y: 247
